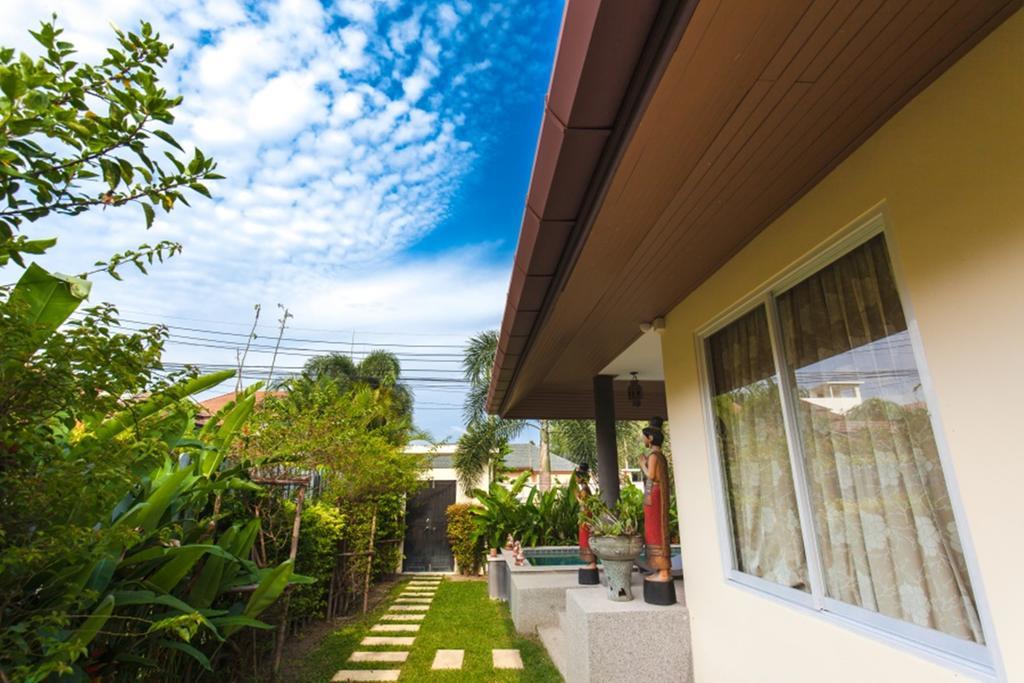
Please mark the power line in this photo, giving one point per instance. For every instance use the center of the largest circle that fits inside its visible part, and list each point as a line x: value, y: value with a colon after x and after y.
x: 312, y: 329
x: 332, y: 342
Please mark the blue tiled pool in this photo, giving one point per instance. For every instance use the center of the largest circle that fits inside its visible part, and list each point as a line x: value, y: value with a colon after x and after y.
x: 569, y: 556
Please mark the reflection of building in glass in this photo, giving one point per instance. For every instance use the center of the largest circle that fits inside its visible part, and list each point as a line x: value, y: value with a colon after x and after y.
x: 837, y: 397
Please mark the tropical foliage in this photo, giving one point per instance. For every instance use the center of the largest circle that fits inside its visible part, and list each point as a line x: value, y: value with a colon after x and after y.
x: 467, y: 545
x: 380, y: 370
x: 350, y: 433
x: 140, y: 569
x: 540, y: 518
x: 484, y: 444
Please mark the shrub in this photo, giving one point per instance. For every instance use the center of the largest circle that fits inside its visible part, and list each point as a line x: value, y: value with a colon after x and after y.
x: 543, y: 518
x: 322, y: 530
x: 467, y: 544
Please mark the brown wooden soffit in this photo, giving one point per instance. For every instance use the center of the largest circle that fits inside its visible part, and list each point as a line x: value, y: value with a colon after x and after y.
x: 598, y: 51
x: 754, y: 102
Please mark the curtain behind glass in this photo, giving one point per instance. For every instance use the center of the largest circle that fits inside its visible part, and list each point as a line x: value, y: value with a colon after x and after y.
x: 755, y: 457
x: 879, y: 499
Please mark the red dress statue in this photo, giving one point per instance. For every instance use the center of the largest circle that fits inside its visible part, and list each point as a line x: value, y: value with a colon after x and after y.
x: 587, y: 575
x: 658, y: 587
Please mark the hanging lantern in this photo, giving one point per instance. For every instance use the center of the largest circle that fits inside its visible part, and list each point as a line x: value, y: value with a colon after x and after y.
x: 635, y: 392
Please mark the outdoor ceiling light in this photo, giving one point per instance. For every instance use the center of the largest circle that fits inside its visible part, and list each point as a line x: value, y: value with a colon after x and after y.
x: 658, y: 325
x: 635, y: 392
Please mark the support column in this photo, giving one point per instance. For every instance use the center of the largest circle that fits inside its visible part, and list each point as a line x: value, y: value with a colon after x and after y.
x: 607, y: 446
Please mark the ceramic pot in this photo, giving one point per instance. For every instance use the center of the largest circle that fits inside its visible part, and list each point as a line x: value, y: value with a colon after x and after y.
x: 617, y: 555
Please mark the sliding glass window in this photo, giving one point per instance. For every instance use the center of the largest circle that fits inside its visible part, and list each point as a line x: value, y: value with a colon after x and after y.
x: 884, y: 535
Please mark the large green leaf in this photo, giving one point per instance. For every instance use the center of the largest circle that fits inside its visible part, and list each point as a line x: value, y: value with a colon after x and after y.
x: 147, y: 514
x: 232, y: 422
x: 46, y: 300
x: 268, y: 590
x: 207, y: 585
x: 121, y: 421
x: 168, y: 576
x: 190, y: 650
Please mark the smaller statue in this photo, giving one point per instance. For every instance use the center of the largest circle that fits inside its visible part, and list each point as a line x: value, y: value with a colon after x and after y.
x: 509, y: 542
x: 658, y: 587
x: 587, y: 575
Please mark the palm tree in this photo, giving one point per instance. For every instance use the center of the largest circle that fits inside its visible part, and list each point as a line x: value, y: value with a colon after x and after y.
x: 485, y: 442
x: 380, y: 370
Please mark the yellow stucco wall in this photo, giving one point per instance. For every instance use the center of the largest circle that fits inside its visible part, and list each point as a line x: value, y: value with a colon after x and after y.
x: 950, y: 168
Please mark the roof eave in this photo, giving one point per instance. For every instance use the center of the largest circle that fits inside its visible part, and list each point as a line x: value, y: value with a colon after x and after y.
x: 609, y: 58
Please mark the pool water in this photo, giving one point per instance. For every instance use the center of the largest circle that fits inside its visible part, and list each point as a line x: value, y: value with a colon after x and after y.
x: 553, y: 560
x: 563, y: 559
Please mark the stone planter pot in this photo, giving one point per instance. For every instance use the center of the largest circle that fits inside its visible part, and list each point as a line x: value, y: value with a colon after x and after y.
x: 617, y: 555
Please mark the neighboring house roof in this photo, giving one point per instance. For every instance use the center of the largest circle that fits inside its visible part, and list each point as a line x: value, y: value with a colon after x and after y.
x: 524, y: 456
x: 210, y: 406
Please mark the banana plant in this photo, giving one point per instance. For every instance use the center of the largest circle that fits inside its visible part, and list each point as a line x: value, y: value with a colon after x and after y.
x: 172, y: 577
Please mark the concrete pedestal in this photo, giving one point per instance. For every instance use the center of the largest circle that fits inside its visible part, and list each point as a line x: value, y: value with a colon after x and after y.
x: 497, y: 578
x: 614, y: 642
x: 536, y: 598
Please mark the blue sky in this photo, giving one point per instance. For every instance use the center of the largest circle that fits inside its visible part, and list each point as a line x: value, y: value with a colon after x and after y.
x: 377, y: 155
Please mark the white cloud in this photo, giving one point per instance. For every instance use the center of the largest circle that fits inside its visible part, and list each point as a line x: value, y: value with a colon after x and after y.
x: 352, y: 55
x: 357, y: 10
x: 348, y: 106
x: 414, y: 86
x: 447, y: 19
x: 287, y: 104
x: 344, y: 133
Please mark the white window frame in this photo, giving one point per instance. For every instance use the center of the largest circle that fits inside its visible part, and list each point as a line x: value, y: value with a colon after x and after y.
x: 972, y: 658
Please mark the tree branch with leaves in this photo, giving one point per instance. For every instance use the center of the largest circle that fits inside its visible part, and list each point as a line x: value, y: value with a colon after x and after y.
x: 75, y: 136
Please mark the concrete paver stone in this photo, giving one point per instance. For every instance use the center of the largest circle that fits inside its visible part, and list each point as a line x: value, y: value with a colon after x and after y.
x: 371, y: 656
x: 367, y: 675
x: 507, y: 659
x: 388, y: 640
x: 448, y: 659
x: 392, y: 628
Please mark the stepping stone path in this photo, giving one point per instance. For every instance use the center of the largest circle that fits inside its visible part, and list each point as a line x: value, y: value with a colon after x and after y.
x: 411, y: 606
x: 415, y: 599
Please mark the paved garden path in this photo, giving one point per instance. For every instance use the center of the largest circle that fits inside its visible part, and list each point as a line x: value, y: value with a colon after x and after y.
x: 432, y: 629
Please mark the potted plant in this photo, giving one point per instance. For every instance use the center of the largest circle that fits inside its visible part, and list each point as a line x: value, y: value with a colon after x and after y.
x: 615, y: 539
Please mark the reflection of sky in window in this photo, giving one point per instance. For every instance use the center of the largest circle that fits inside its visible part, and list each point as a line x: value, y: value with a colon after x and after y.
x: 886, y: 367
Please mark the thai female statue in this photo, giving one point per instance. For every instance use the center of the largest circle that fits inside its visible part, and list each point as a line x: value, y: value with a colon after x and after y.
x: 587, y: 575
x: 658, y: 587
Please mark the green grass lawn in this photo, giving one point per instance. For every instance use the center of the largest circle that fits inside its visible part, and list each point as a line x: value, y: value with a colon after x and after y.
x: 461, y: 617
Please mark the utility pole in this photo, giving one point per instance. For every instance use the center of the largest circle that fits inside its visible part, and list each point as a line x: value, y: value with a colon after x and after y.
x: 284, y: 321
x: 241, y: 362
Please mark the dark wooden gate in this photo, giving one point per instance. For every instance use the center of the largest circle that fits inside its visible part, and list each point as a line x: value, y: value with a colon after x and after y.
x: 426, y: 531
